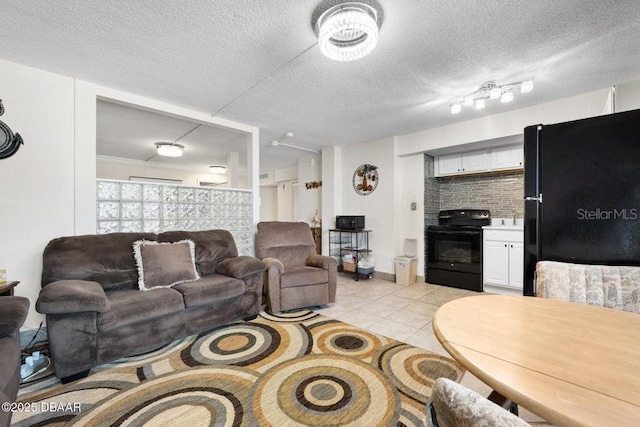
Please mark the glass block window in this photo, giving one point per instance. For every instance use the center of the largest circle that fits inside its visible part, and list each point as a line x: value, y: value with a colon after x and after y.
x: 125, y: 206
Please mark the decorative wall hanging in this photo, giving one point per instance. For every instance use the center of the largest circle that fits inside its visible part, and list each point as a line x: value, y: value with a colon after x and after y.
x: 315, y: 220
x: 365, y: 179
x: 313, y: 184
x: 9, y: 143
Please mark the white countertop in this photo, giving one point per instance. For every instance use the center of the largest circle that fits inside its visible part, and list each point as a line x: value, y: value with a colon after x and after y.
x: 516, y: 227
x: 505, y: 224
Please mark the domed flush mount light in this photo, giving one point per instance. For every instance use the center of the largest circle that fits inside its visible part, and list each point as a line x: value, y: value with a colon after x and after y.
x: 218, y: 169
x: 347, y: 31
x: 169, y: 149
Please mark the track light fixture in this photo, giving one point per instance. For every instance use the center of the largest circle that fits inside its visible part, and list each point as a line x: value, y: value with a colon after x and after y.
x: 490, y: 90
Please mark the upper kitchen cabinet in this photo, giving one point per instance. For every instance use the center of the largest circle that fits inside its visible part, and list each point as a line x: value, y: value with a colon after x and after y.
x: 456, y: 164
x: 509, y: 157
x: 449, y: 165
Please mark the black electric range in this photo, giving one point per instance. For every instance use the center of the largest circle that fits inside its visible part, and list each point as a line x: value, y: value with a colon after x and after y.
x: 454, y: 248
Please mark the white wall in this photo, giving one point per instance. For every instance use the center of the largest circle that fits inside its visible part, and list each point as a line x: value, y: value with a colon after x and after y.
x: 268, y: 204
x: 309, y: 201
x: 286, y: 174
x: 628, y: 96
x: 378, y: 207
x: 410, y: 187
x: 332, y: 186
x: 37, y: 189
x: 284, y: 201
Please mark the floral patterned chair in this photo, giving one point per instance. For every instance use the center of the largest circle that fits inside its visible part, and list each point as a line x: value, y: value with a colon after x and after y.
x: 454, y: 405
x: 600, y: 285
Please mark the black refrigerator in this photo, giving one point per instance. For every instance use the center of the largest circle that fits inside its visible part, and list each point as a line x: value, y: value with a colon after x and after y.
x: 582, y: 192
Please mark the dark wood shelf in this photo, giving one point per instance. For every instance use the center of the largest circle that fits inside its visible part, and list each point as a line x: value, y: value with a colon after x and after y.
x: 6, y: 288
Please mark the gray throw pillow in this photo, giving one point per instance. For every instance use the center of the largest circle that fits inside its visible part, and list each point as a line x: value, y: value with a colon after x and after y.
x: 162, y: 265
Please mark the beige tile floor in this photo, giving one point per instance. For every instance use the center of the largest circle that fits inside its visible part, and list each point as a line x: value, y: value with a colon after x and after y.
x: 400, y: 312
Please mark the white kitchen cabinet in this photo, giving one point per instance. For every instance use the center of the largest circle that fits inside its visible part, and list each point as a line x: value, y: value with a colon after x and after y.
x: 516, y: 265
x: 503, y: 257
x: 449, y: 165
x: 509, y: 157
x: 495, y: 270
x: 487, y: 160
x: 474, y: 161
x: 461, y: 163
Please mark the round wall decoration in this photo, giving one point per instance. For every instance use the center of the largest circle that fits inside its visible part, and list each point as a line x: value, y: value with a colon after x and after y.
x: 365, y: 179
x: 11, y: 142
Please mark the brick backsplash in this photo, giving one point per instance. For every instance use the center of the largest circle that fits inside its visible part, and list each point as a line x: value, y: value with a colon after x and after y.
x: 431, y: 201
x: 501, y: 193
x: 431, y: 192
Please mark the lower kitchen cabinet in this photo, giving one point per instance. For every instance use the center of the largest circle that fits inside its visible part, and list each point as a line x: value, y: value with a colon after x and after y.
x: 503, y: 258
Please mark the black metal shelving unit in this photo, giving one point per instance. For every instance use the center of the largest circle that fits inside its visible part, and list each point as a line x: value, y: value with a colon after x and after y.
x: 355, y: 242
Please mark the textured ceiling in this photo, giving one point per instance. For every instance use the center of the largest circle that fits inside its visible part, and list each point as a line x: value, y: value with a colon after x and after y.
x: 214, y: 56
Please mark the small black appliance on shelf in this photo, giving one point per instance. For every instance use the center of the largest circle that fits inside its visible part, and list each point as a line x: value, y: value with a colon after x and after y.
x: 350, y: 222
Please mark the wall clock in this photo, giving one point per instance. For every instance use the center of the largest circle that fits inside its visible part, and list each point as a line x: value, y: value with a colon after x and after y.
x: 365, y: 179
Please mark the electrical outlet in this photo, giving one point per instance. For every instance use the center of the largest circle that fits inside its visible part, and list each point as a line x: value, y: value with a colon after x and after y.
x: 414, y: 206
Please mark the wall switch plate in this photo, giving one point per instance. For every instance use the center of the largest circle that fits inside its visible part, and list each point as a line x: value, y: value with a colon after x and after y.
x: 414, y: 206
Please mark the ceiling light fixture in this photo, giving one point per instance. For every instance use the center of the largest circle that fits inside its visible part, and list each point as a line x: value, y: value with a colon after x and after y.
x: 348, y: 31
x: 169, y: 149
x: 218, y: 169
x: 489, y: 90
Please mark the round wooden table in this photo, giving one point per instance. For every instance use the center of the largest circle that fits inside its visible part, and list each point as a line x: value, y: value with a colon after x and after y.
x: 569, y: 363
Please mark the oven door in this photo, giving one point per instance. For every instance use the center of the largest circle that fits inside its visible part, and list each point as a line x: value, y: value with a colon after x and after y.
x: 455, y: 250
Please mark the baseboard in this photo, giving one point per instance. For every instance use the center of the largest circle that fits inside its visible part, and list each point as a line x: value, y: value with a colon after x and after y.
x: 384, y: 276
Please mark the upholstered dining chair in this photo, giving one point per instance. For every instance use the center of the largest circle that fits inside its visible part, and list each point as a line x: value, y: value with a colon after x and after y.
x: 608, y: 286
x: 454, y: 405
x: 296, y: 275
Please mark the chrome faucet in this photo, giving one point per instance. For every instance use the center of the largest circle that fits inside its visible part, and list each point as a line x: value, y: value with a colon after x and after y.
x: 514, y: 217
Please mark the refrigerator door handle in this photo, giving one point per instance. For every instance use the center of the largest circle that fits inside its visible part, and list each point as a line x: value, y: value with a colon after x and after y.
x: 537, y: 199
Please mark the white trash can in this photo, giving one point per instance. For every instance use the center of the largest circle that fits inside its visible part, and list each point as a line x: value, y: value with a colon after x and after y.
x: 406, y: 269
x: 407, y: 265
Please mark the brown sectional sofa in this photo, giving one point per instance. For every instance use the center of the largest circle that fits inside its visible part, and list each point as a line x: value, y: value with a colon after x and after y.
x: 95, y: 312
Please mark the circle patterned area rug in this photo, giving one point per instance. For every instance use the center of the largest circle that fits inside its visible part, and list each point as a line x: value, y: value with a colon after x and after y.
x: 292, y: 369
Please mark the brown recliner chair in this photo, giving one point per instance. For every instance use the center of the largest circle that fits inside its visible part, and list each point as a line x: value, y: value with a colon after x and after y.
x: 13, y: 312
x: 296, y: 275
